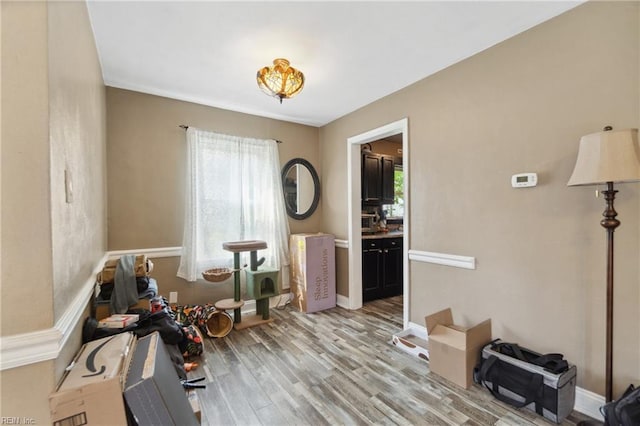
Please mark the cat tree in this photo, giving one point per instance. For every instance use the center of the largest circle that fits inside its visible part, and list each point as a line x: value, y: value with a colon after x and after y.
x: 261, y: 284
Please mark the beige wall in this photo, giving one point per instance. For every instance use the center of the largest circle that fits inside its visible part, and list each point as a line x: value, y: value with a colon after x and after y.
x: 520, y: 106
x: 77, y: 144
x: 26, y: 220
x: 26, y: 223
x: 53, y: 117
x: 146, y: 158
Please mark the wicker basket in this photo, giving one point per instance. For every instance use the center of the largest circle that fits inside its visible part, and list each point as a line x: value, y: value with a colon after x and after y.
x: 217, y: 275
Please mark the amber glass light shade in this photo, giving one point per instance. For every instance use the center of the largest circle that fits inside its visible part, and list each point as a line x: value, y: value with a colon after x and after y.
x: 280, y: 80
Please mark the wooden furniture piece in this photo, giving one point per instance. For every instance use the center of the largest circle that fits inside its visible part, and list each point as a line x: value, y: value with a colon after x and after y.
x: 377, y: 179
x: 381, y: 268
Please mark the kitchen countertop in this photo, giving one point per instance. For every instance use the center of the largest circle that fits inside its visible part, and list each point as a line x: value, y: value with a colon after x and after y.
x: 391, y: 234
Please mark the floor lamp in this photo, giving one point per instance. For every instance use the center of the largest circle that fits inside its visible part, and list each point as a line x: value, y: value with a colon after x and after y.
x: 608, y: 157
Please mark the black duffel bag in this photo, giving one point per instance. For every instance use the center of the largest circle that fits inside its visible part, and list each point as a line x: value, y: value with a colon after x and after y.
x: 624, y: 411
x: 524, y: 378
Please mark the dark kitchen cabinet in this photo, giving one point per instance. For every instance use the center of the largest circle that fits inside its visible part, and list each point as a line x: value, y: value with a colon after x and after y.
x: 381, y: 268
x: 377, y: 179
x: 371, y: 270
x: 387, y: 189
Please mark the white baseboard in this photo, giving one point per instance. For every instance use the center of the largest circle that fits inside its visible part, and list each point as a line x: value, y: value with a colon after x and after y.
x: 342, y: 243
x: 418, y: 330
x: 249, y: 307
x: 43, y: 345
x: 587, y: 402
x: 342, y: 301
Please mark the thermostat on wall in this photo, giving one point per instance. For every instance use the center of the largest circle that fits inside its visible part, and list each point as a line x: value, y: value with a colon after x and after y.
x: 523, y: 180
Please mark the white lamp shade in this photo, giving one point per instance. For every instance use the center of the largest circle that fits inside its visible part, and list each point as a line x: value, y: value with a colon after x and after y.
x: 609, y: 156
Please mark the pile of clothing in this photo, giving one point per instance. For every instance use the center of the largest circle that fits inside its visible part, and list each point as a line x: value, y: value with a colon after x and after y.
x: 125, y: 281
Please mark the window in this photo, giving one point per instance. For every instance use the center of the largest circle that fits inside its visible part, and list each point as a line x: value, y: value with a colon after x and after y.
x: 397, y: 208
x: 234, y: 193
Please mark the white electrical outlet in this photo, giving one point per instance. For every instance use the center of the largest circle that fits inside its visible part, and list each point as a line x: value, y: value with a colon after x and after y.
x: 173, y: 297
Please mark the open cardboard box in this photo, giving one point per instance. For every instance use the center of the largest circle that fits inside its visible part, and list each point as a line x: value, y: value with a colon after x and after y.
x: 453, y: 349
x: 91, y: 390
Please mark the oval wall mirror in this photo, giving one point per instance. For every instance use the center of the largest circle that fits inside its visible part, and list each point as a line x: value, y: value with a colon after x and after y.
x: 301, y: 187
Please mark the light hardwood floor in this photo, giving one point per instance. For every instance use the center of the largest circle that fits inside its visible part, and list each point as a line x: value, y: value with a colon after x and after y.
x: 336, y: 367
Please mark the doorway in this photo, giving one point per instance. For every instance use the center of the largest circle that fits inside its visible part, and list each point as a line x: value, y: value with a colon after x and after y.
x: 354, y: 210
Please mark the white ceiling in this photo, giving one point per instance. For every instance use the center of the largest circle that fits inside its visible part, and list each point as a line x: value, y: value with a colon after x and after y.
x: 352, y: 53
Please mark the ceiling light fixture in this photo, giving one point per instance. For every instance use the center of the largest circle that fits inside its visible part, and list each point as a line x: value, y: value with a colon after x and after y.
x: 280, y: 80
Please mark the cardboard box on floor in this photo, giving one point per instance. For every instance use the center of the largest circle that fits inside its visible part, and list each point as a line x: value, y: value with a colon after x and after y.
x: 152, y: 388
x: 453, y: 349
x: 313, y: 271
x: 90, y: 392
x: 103, y: 309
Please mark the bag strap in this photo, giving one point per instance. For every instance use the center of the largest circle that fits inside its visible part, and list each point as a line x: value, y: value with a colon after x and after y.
x: 510, y: 349
x: 530, y: 393
x: 552, y: 362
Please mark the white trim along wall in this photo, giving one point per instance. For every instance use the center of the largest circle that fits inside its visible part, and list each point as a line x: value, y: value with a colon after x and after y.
x: 465, y: 262
x: 354, y: 197
x: 587, y: 402
x: 42, y: 345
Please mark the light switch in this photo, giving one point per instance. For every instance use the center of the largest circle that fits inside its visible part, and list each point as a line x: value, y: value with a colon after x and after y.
x: 68, y: 187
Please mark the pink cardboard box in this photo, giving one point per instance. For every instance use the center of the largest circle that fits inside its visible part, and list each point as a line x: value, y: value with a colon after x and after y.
x: 313, y: 271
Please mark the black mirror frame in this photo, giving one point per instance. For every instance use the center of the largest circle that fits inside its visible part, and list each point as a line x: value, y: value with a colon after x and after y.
x: 316, y: 187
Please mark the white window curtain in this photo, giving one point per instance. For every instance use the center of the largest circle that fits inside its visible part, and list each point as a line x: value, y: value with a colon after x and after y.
x: 234, y: 193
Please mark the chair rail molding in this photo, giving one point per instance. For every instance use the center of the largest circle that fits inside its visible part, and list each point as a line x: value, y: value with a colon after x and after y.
x: 464, y: 262
x: 42, y: 345
x: 150, y: 252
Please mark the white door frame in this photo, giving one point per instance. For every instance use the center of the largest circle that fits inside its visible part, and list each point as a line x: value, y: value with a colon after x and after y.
x: 355, y: 207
